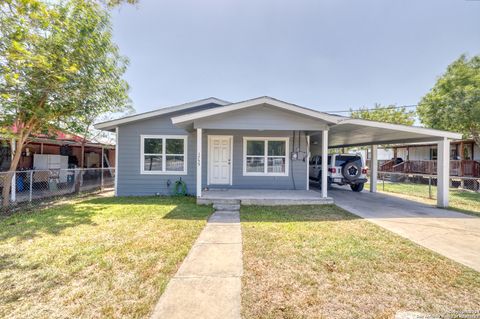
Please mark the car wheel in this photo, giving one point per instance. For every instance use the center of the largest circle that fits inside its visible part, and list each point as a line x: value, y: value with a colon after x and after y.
x: 357, y: 187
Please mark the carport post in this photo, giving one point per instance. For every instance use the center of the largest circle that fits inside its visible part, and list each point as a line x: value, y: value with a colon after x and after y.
x: 443, y: 172
x: 199, y: 162
x: 324, y: 163
x: 374, y: 170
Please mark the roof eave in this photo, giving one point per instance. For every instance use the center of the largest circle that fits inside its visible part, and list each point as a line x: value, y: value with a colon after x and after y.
x: 112, y: 124
x: 188, y: 118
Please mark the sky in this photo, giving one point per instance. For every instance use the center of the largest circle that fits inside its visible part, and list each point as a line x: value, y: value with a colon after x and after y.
x: 329, y: 55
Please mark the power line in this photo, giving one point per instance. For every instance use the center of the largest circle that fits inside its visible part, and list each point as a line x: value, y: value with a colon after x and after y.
x: 374, y: 108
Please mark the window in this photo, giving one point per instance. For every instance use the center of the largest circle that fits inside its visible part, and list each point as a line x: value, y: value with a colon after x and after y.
x: 319, y: 159
x: 265, y: 156
x: 163, y: 154
x: 340, y: 160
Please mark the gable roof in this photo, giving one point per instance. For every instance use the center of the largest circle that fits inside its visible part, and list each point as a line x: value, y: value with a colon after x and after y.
x: 337, y: 123
x: 333, y: 119
x: 109, y: 125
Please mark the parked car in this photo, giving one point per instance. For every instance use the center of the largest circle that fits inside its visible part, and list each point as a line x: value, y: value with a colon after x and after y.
x: 347, y: 169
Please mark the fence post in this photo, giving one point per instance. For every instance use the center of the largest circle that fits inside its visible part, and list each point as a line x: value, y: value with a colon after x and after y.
x: 101, y: 179
x: 31, y: 187
x: 383, y: 182
x: 429, y: 186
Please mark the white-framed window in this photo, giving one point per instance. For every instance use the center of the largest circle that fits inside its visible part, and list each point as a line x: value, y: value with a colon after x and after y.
x: 163, y: 154
x: 265, y: 156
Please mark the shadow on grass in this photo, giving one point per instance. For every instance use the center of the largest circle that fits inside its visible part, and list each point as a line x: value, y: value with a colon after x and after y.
x: 185, y: 207
x: 54, y: 220
x: 289, y: 214
x: 50, y: 221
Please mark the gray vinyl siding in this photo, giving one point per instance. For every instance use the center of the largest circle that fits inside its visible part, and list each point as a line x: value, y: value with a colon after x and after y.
x: 297, y: 174
x: 131, y: 182
x: 261, y: 117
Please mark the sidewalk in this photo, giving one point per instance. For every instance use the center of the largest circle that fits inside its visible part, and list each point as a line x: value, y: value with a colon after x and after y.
x: 208, y: 283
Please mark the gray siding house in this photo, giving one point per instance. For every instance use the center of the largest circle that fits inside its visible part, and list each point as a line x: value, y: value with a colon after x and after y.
x: 262, y: 143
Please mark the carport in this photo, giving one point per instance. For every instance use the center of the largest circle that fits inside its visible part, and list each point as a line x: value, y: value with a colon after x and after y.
x: 271, y: 117
x: 347, y: 132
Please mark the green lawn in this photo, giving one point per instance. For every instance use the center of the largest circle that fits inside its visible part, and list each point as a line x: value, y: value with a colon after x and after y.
x: 95, y: 258
x: 460, y: 200
x: 322, y: 262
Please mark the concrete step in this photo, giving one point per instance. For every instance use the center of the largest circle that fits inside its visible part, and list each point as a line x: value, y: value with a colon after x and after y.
x: 226, y: 201
x: 226, y: 207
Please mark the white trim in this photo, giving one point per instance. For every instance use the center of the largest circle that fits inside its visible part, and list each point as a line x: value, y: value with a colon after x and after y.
x: 208, y: 158
x: 116, y: 161
x: 324, y: 180
x: 257, y: 101
x: 443, y: 172
x: 265, y: 156
x: 164, y: 154
x: 374, y: 169
x: 199, y: 162
x: 127, y: 119
x: 337, y: 120
x: 308, y: 162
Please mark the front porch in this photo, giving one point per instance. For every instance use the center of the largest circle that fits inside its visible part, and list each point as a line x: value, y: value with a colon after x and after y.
x: 263, y: 197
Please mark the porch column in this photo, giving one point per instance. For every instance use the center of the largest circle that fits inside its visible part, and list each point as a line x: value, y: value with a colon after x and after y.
x: 308, y: 162
x: 199, y: 162
x: 324, y: 163
x: 116, y: 162
x: 374, y: 169
x: 443, y: 172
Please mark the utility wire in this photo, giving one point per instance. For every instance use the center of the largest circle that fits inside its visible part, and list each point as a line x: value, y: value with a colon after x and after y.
x: 374, y: 108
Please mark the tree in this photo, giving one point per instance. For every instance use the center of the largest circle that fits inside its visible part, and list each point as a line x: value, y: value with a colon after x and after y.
x: 388, y: 114
x: 58, y: 65
x: 454, y: 102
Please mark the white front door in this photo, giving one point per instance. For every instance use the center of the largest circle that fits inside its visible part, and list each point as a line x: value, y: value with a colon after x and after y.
x: 220, y: 159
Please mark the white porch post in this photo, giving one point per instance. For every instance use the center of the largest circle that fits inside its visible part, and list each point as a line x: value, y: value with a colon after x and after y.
x: 324, y: 163
x: 443, y: 172
x: 116, y: 162
x: 308, y: 162
x: 374, y: 169
x: 199, y: 162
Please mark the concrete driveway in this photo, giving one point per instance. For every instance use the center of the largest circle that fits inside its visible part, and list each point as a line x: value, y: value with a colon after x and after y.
x: 451, y: 234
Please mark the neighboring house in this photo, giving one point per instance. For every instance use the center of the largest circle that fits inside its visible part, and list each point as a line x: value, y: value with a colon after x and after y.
x: 422, y: 158
x: 262, y: 143
x: 58, y: 144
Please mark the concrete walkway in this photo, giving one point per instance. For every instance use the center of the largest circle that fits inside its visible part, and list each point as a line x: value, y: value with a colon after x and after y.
x: 451, y: 234
x: 208, y: 283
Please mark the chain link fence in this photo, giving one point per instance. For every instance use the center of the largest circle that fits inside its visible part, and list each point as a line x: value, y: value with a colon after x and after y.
x: 35, y: 187
x: 424, y: 185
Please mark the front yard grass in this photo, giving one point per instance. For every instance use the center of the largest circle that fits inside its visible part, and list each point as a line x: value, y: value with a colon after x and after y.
x: 322, y: 262
x: 96, y: 258
x: 460, y: 200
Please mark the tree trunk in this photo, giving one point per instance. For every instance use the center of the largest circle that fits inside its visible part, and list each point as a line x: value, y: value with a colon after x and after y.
x: 7, y: 182
x: 78, y: 178
x: 476, y: 139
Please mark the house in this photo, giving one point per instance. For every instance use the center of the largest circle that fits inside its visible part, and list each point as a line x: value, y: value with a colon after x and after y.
x: 421, y: 158
x: 261, y: 143
x: 58, y: 144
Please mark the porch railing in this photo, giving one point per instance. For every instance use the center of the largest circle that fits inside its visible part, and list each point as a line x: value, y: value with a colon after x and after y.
x: 466, y: 168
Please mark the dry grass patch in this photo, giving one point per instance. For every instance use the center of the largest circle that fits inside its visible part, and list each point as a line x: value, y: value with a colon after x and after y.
x: 322, y: 262
x: 97, y: 258
x: 464, y: 201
